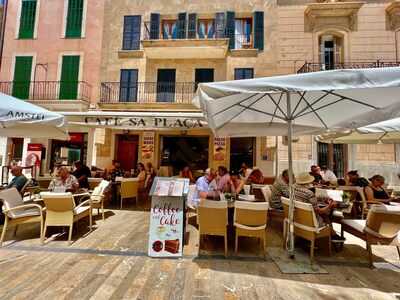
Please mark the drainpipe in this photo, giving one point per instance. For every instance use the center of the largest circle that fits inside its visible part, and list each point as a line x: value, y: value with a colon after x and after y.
x: 3, y: 30
x: 396, y: 45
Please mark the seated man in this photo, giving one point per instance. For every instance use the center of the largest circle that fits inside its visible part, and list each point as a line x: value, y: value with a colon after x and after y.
x: 303, y: 193
x: 19, y: 180
x: 205, y: 187
x: 316, y: 173
x: 328, y: 176
x: 82, y: 173
x: 279, y: 189
x: 64, y: 182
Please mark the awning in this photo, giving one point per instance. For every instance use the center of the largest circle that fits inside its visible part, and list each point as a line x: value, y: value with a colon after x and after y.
x: 137, y: 120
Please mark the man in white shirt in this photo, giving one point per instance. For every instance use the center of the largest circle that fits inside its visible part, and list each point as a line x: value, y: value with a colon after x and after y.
x: 328, y: 175
x: 205, y: 187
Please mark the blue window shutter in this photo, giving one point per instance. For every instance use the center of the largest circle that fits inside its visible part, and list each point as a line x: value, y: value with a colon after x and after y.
x: 181, y: 26
x: 131, y: 37
x: 220, y: 25
x: 192, y: 26
x: 128, y: 85
x: 259, y: 30
x: 230, y: 28
x: 155, y: 26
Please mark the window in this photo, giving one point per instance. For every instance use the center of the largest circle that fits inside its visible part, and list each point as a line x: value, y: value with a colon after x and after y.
x: 169, y: 29
x: 74, y: 19
x: 22, y: 77
x: 206, y: 29
x: 131, y: 38
x: 128, y: 85
x: 69, y: 77
x: 244, y: 73
x: 243, y: 33
x: 27, y: 19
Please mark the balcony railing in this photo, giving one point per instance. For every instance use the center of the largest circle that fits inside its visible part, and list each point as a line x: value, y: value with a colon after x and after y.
x: 47, y: 90
x: 315, y: 67
x: 147, y: 92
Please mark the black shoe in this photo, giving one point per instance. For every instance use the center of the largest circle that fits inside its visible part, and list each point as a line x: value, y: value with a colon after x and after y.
x: 337, y: 239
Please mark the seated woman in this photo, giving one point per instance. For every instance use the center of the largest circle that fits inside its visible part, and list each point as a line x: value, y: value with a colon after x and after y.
x: 141, y: 175
x: 223, y: 180
x: 187, y: 173
x: 236, y: 182
x: 255, y: 177
x: 375, y: 192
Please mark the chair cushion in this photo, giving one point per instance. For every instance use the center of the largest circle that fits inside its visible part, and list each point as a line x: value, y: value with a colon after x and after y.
x: 358, y: 225
x: 79, y: 210
x: 251, y: 228
x: 31, y: 212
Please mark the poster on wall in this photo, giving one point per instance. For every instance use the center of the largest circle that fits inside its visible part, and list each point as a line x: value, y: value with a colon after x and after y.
x: 148, y: 145
x: 34, y: 157
x: 219, y: 149
x: 167, y: 217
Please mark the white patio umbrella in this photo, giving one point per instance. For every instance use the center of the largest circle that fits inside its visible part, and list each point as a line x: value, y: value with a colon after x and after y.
x: 19, y: 118
x: 386, y: 132
x: 300, y: 104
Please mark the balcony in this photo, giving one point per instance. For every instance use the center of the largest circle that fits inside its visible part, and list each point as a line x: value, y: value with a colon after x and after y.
x: 147, y: 95
x: 315, y: 67
x: 53, y: 95
x: 182, y: 45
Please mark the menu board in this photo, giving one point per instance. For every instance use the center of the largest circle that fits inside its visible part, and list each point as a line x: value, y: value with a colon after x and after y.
x: 167, y: 217
x: 148, y: 145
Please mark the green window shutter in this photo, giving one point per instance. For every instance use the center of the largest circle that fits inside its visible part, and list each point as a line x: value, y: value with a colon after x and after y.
x: 22, y: 77
x: 69, y: 78
x: 74, y: 19
x: 230, y: 28
x: 27, y: 19
x: 259, y: 30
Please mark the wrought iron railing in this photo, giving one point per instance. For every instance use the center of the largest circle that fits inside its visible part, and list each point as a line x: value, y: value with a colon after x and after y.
x: 147, y: 92
x: 315, y: 67
x: 47, y: 90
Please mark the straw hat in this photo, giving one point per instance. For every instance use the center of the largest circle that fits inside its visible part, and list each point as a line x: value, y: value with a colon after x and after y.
x: 304, y: 178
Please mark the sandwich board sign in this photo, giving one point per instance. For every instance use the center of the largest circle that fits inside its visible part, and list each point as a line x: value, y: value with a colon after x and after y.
x: 167, y: 216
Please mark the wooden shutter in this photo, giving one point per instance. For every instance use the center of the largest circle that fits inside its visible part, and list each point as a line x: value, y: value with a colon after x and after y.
x: 74, y: 19
x: 69, y: 77
x: 154, y: 26
x: 128, y: 85
x: 131, y: 37
x: 27, y: 19
x: 192, y: 26
x: 220, y: 25
x: 22, y: 77
x: 258, y: 30
x: 230, y: 28
x: 181, y: 26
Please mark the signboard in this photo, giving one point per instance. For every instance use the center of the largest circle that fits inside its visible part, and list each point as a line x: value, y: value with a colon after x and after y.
x: 167, y: 217
x: 33, y: 155
x: 148, y: 145
x: 219, y: 149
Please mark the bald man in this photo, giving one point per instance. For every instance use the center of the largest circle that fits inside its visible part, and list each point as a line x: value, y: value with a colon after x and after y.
x: 19, y: 180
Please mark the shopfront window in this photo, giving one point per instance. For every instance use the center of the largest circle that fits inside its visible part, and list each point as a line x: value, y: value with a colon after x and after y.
x: 66, y: 152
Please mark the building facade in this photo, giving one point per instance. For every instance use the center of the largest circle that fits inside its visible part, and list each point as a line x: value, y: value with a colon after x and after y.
x: 125, y: 73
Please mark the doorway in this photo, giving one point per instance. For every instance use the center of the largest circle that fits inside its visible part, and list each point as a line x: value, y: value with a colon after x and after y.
x: 127, y: 151
x: 334, y: 156
x: 17, y: 147
x: 242, y: 151
x: 166, y: 85
x: 203, y: 75
x: 331, y: 51
x: 180, y: 151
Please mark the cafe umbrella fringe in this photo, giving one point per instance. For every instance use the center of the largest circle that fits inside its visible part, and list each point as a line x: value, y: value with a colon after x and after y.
x: 300, y: 104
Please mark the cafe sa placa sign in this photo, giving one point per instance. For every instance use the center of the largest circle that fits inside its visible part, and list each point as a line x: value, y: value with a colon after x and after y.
x: 146, y: 122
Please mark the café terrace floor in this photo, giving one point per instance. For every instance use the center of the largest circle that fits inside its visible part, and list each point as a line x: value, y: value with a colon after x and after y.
x: 111, y: 263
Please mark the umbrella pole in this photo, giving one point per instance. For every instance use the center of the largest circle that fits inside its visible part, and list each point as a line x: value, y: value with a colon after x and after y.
x: 290, y: 236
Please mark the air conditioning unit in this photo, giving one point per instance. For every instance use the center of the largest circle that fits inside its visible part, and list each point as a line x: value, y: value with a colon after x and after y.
x: 285, y: 140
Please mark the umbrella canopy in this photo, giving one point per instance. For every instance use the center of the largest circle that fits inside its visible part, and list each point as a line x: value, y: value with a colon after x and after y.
x: 386, y: 132
x: 319, y: 102
x: 19, y: 118
x: 300, y: 104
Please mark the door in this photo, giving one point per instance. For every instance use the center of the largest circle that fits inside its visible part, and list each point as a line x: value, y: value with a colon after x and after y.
x: 127, y: 151
x: 330, y: 51
x: 22, y: 77
x: 69, y: 78
x: 242, y: 151
x: 166, y: 85
x: 128, y: 85
x: 203, y: 75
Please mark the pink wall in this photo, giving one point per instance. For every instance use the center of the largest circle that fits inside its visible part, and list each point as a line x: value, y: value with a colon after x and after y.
x: 49, y: 42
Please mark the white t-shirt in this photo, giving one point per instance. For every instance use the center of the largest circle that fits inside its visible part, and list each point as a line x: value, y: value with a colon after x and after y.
x: 328, y: 176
